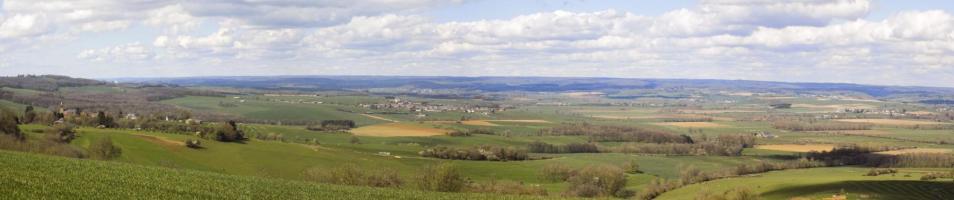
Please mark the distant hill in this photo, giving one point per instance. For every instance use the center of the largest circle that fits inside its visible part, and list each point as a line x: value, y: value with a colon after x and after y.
x: 529, y: 84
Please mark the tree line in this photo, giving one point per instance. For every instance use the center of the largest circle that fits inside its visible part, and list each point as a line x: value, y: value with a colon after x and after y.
x: 597, y: 133
x: 543, y: 147
x: 820, y: 126
x: 484, y: 152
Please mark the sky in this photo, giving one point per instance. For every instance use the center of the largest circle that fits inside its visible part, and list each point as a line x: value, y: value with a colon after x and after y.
x: 882, y: 42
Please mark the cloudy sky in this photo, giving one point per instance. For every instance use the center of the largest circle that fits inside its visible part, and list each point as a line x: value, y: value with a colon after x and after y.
x: 882, y: 42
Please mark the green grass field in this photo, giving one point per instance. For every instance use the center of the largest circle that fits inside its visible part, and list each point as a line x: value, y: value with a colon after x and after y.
x: 27, y: 176
x: 818, y: 183
x: 289, y: 160
x: 269, y: 110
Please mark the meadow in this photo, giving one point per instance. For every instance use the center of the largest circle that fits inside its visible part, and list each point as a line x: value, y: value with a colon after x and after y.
x: 823, y: 183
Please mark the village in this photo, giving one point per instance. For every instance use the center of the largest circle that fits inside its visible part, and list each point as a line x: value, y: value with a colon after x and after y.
x: 396, y: 103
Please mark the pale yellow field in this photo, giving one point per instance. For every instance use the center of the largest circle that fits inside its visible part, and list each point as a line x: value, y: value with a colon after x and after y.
x: 916, y: 150
x: 379, y: 118
x: 616, y: 111
x: 661, y: 116
x: 836, y: 107
x: 397, y: 129
x: 490, y: 122
x: 797, y: 147
x: 921, y: 113
x: 521, y: 121
x: 897, y: 122
x: 857, y: 132
x: 775, y: 98
x: 692, y: 124
x: 718, y: 111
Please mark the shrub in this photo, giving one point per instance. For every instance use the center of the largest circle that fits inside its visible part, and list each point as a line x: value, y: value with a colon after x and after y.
x: 228, y: 132
x: 443, y: 177
x: 29, y: 115
x: 732, y: 194
x: 690, y: 175
x: 876, y: 172
x: 632, y: 167
x: 8, y: 124
x: 62, y: 133
x: 104, y: 149
x: 557, y: 172
x: 193, y: 143
x: 656, y: 187
x: 597, y: 181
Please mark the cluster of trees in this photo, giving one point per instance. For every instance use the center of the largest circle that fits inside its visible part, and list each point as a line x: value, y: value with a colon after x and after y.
x: 851, y: 154
x: 689, y: 119
x: 590, y: 181
x: 820, y: 126
x: 227, y: 132
x: 937, y: 175
x: 722, y: 145
x: 877, y: 171
x: 332, y: 125
x: 543, y: 147
x: 617, y: 134
x: 485, y: 152
x: 925, y: 160
x: 55, y: 140
x: 459, y: 133
x: 699, y: 149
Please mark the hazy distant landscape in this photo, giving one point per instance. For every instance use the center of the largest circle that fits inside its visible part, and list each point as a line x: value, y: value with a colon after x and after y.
x: 530, y: 137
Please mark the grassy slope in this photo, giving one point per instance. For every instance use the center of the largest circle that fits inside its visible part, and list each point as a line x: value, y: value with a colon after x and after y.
x: 823, y: 182
x: 289, y: 160
x: 266, y: 110
x: 26, y: 176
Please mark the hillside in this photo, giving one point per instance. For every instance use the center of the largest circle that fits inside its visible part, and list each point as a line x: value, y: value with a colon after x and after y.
x: 28, y: 176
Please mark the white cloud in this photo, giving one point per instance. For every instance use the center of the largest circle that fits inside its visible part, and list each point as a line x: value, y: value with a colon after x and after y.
x: 132, y: 52
x: 17, y: 26
x: 174, y: 19
x: 735, y: 39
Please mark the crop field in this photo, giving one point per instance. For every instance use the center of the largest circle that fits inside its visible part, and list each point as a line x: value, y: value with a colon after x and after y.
x: 891, y: 122
x: 692, y: 124
x: 398, y: 129
x: 797, y: 147
x: 267, y: 110
x: 26, y: 176
x: 916, y: 150
x: 826, y: 182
